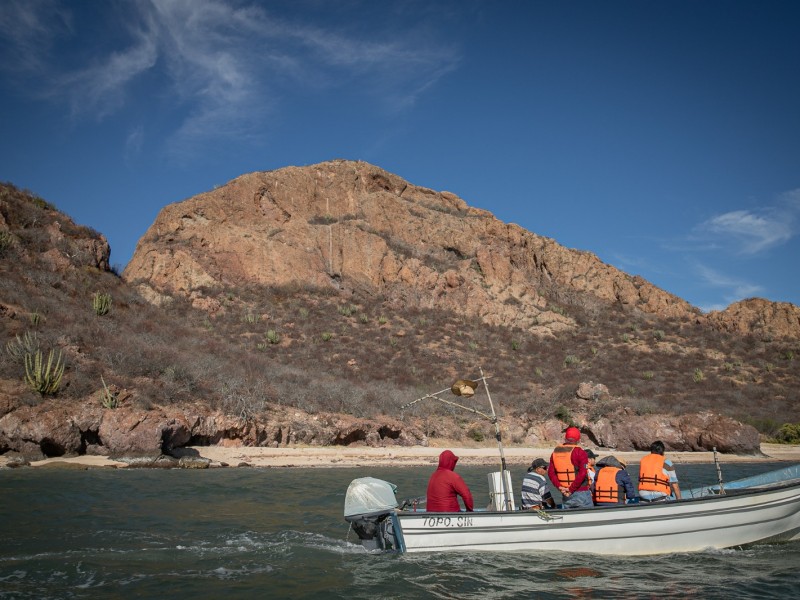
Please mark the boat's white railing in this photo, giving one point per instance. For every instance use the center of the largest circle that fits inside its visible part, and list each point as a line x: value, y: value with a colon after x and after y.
x: 783, y: 475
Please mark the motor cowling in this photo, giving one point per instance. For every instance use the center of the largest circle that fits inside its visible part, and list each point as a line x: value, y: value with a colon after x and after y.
x: 368, y: 506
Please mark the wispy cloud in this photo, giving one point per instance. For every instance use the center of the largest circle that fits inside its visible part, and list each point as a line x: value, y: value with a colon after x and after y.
x: 752, y: 232
x: 224, y: 66
x: 733, y: 289
x: 133, y: 143
x: 28, y: 28
x: 100, y: 89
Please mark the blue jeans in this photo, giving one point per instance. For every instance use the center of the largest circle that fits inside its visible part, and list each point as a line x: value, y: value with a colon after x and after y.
x: 579, y: 500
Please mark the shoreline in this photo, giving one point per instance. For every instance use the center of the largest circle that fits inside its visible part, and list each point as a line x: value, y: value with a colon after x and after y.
x: 398, y: 456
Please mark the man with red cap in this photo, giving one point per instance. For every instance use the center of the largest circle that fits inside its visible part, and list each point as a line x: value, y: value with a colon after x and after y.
x: 445, y: 486
x: 568, y: 471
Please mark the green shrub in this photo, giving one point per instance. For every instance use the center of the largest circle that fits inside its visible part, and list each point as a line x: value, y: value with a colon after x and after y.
x: 42, y: 377
x: 108, y: 398
x: 6, y: 242
x: 273, y: 337
x: 327, y: 336
x: 789, y: 433
x: 21, y: 346
x: 101, y: 303
x: 562, y: 414
x: 698, y: 375
x: 476, y: 434
x: 347, y: 311
x: 658, y: 334
x: 571, y: 359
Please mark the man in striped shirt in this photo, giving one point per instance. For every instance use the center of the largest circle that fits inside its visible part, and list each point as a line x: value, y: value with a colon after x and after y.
x: 535, y: 494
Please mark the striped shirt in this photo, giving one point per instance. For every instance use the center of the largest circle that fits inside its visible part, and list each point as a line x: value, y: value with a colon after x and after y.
x: 534, y: 490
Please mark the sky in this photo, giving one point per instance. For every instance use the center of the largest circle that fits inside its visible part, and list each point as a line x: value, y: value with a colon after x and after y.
x: 662, y: 136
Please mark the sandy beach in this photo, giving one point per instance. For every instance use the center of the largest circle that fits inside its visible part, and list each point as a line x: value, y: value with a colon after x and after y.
x: 350, y: 456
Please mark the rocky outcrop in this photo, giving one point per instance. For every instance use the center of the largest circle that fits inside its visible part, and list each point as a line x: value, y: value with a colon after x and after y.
x: 353, y: 226
x: 48, y: 431
x: 43, y: 431
x: 685, y: 433
x: 760, y: 317
x: 50, y: 238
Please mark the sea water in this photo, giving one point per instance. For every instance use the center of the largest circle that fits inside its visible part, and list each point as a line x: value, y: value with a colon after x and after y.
x: 280, y: 533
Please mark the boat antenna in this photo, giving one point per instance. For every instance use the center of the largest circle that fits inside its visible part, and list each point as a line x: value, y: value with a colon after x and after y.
x: 719, y: 472
x: 506, y: 494
x: 466, y: 388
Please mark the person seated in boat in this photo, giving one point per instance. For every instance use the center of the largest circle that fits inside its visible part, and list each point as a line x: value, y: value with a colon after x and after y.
x: 535, y: 495
x: 591, y: 469
x: 567, y: 471
x: 658, y: 480
x: 612, y: 483
x: 445, y: 486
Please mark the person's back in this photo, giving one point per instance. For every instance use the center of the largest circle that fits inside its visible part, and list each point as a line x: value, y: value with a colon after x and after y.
x: 657, y: 477
x: 613, y: 485
x: 445, y: 486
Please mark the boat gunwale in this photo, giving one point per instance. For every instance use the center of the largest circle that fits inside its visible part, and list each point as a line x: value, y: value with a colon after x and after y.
x: 713, y: 498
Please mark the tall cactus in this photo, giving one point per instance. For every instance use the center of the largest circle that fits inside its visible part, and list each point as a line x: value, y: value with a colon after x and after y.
x: 42, y: 377
x: 101, y: 303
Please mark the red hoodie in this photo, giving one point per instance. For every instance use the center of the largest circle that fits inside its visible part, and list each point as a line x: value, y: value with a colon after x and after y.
x: 445, y: 486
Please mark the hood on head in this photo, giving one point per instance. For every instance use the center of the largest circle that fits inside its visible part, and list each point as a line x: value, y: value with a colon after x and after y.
x: 611, y: 461
x: 447, y: 460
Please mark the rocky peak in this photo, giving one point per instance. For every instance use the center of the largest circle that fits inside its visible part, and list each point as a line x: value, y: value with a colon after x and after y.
x: 759, y: 316
x: 37, y: 234
x: 355, y: 227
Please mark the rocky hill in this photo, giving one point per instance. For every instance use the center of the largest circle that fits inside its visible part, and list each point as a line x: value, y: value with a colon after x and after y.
x: 354, y: 227
x: 308, y: 305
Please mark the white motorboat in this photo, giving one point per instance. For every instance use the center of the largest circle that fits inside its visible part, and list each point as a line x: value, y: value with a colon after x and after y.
x: 747, y: 512
x: 760, y: 509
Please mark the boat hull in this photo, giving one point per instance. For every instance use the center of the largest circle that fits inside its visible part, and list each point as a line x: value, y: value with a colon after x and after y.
x: 686, y: 526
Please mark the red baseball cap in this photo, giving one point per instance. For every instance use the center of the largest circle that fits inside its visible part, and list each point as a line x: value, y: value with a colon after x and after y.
x: 572, y: 433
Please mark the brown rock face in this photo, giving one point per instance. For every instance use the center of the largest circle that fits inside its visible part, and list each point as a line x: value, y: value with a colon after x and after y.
x: 686, y: 433
x: 42, y: 430
x: 350, y: 225
x: 756, y: 315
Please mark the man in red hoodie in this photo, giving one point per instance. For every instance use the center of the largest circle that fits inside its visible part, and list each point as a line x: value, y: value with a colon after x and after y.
x: 445, y: 486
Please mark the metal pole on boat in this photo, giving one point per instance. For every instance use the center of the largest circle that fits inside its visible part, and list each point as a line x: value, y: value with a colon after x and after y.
x: 506, y: 495
x: 719, y: 472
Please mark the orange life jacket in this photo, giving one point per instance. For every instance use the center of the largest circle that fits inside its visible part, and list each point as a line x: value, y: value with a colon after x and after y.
x: 651, y: 475
x: 606, y: 488
x: 562, y: 462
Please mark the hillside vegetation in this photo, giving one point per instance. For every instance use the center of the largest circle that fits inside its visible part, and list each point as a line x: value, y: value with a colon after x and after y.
x: 247, y: 350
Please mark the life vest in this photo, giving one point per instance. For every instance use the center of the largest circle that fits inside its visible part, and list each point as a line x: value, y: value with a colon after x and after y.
x: 562, y: 462
x: 651, y: 475
x: 606, y: 488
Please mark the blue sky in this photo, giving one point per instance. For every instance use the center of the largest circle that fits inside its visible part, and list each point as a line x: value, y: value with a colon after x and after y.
x: 662, y: 136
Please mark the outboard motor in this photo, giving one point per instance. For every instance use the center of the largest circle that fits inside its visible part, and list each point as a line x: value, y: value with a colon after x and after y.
x: 369, y: 507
